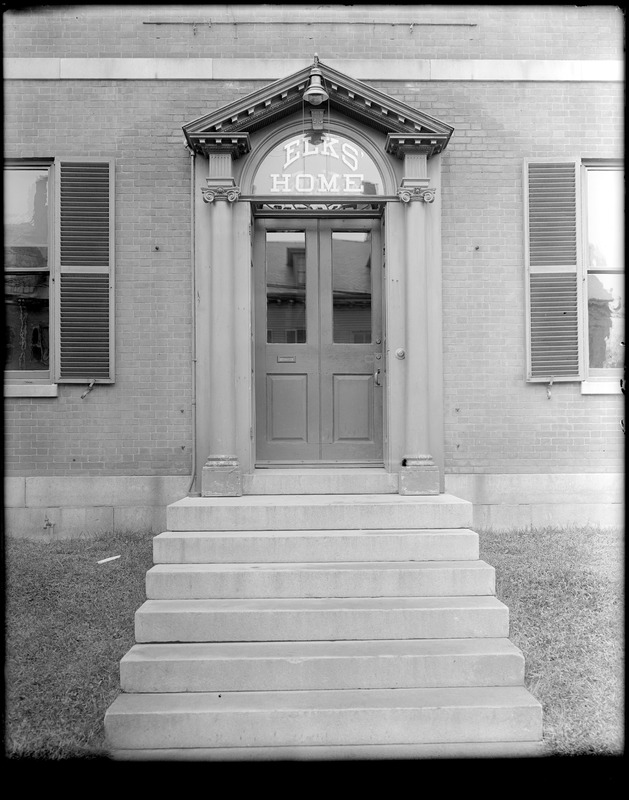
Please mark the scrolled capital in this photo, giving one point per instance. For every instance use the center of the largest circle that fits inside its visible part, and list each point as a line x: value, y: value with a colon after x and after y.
x: 425, y: 195
x: 229, y: 193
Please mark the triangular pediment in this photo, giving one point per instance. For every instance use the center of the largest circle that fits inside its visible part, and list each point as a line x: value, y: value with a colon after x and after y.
x: 353, y: 98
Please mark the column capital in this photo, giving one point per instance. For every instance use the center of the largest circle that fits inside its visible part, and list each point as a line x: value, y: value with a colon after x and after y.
x: 408, y: 193
x: 212, y: 192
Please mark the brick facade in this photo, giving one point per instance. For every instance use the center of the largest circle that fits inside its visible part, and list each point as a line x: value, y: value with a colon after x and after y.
x: 142, y: 424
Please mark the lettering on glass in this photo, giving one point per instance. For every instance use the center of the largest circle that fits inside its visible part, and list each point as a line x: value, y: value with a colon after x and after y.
x: 334, y: 166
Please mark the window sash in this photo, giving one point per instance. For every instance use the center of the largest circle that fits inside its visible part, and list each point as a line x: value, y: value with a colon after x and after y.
x: 617, y: 268
x: 37, y: 165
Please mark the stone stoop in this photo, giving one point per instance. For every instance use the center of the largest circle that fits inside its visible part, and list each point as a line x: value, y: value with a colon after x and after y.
x: 319, y: 627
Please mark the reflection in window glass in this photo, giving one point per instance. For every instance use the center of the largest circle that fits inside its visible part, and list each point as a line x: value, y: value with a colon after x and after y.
x: 605, y: 218
x: 27, y: 305
x: 351, y: 287
x: 286, y: 287
x: 605, y: 262
x: 606, y: 320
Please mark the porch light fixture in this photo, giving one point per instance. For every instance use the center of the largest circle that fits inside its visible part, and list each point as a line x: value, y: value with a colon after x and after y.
x: 315, y: 94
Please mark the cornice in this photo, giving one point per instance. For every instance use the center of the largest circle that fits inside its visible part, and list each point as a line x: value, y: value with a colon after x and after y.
x: 348, y: 96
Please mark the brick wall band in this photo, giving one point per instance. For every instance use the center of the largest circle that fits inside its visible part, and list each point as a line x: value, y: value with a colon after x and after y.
x: 142, y: 424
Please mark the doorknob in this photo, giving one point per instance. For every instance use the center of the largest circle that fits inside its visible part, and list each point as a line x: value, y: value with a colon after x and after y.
x: 376, y: 377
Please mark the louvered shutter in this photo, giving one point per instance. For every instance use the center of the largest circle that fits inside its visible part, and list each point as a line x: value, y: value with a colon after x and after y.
x: 85, y: 270
x: 553, y: 276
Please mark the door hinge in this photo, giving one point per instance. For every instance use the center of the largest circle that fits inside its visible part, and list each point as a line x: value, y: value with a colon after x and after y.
x: 251, y: 433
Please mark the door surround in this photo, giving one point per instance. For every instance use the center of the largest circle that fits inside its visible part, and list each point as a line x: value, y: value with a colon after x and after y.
x: 406, y: 145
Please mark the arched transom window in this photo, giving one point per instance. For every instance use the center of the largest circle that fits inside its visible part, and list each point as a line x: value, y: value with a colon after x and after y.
x: 327, y: 164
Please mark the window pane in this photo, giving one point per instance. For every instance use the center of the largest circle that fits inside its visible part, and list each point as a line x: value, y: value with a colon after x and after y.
x: 605, y: 222
x: 286, y: 287
x: 26, y: 219
x: 606, y: 320
x: 351, y: 287
x: 27, y: 315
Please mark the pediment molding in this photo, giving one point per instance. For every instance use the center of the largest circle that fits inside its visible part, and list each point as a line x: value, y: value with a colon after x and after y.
x: 348, y: 96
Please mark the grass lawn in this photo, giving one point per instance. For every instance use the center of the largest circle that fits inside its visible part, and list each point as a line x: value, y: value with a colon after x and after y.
x: 564, y: 590
x: 69, y: 620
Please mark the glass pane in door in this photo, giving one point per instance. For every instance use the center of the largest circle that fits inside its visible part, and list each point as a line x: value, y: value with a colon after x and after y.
x: 285, y: 287
x: 351, y: 287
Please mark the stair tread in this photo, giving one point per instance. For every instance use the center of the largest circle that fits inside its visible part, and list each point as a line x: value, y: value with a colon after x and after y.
x: 319, y: 603
x: 274, y: 500
x: 320, y: 649
x: 337, y: 699
x: 315, y: 566
x: 315, y: 533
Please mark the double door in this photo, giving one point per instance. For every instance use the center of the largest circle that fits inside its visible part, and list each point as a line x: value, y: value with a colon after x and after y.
x: 319, y: 355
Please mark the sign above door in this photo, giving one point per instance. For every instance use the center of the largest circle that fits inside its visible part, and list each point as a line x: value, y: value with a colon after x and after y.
x: 334, y: 165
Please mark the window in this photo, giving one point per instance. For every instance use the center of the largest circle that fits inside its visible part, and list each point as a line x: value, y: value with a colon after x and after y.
x: 27, y: 271
x: 575, y: 272
x: 604, y: 265
x: 58, y: 261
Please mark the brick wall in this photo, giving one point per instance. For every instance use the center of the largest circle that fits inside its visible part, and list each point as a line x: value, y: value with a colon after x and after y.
x: 141, y: 425
x: 241, y: 31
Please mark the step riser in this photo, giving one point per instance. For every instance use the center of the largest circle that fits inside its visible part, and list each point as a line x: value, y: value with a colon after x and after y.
x: 285, y: 674
x: 329, y: 625
x: 355, y: 516
x: 383, y: 752
x: 320, y: 481
x: 197, y: 548
x: 326, y: 727
x: 445, y: 582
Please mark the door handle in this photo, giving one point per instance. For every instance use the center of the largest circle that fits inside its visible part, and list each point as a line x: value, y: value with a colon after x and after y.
x: 376, y: 378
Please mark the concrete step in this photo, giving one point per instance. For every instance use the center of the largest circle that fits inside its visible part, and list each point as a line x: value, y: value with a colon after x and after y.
x: 320, y: 481
x: 341, y: 579
x: 276, y: 666
x: 320, y: 618
x: 366, y: 752
x: 318, y: 512
x: 205, y: 547
x: 323, y: 718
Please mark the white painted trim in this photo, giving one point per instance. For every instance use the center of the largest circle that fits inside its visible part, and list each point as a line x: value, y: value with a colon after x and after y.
x: 601, y: 387
x: 274, y: 68
x: 31, y: 390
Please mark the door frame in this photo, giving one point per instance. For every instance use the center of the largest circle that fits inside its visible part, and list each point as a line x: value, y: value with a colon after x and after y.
x: 312, y: 222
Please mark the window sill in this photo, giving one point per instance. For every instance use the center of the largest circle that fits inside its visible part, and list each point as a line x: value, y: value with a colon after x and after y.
x: 601, y: 387
x: 31, y: 390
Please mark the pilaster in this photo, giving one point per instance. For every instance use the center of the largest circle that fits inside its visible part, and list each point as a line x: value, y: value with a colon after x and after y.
x: 221, y: 474
x: 419, y: 473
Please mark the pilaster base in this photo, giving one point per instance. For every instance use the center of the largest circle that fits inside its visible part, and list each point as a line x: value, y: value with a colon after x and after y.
x: 221, y: 477
x: 419, y: 476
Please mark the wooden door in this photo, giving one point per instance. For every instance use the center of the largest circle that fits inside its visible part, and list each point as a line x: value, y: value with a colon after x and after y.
x: 318, y: 351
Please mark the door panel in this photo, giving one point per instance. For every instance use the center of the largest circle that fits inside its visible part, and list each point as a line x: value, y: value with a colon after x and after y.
x: 353, y: 408
x: 318, y: 351
x: 287, y: 408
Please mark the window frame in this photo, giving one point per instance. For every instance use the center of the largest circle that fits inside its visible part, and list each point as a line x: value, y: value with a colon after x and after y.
x: 596, y: 380
x: 590, y: 382
x: 38, y: 383
x: 72, y: 295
